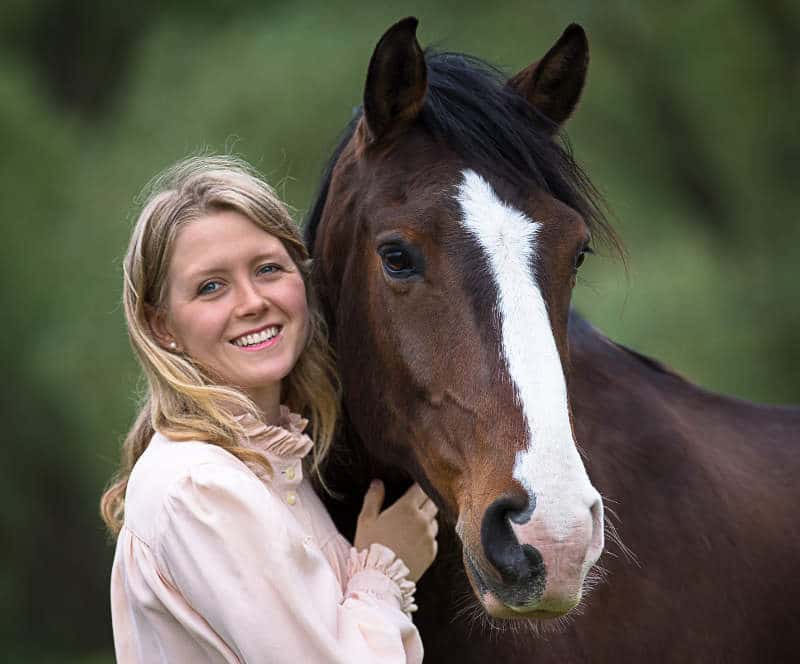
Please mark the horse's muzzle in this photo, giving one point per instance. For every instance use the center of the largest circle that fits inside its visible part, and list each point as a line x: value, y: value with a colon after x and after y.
x: 536, y: 559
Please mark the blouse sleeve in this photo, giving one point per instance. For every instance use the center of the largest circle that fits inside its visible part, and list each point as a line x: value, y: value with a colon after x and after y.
x: 226, y: 545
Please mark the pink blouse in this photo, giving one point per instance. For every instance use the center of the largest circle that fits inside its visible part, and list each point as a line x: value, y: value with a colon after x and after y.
x: 216, y: 563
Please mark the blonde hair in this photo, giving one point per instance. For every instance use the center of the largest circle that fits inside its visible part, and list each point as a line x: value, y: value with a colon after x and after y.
x: 183, y: 401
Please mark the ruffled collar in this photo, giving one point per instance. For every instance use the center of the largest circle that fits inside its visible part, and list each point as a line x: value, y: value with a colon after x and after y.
x: 283, y: 440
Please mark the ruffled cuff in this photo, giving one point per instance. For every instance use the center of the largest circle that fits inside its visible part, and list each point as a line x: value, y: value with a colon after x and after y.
x: 379, y: 572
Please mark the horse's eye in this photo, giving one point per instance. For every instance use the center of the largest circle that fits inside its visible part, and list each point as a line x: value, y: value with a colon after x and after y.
x: 397, y: 261
x: 582, y: 256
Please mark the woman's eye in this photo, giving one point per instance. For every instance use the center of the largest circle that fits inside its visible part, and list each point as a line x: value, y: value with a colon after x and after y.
x: 209, y: 287
x: 268, y: 269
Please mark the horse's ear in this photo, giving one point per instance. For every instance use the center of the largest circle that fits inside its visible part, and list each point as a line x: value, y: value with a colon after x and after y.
x: 554, y: 84
x: 396, y: 80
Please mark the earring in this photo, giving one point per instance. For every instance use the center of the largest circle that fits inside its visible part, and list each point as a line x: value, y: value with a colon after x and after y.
x: 173, y: 345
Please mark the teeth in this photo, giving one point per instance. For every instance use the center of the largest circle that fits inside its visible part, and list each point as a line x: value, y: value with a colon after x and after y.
x: 258, y: 338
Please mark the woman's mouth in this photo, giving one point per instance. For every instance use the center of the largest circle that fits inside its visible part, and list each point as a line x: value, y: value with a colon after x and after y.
x: 254, y: 341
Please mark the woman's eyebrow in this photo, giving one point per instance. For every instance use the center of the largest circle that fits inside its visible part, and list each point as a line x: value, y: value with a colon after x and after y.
x: 201, y: 273
x: 206, y: 271
x: 267, y: 255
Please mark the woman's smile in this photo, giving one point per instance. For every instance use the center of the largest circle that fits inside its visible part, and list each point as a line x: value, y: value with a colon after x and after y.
x: 266, y: 337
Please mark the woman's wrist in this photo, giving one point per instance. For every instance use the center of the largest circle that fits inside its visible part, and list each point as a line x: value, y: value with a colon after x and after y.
x: 378, y: 571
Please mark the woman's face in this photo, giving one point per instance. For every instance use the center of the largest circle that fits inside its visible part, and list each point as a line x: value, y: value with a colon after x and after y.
x: 235, y: 302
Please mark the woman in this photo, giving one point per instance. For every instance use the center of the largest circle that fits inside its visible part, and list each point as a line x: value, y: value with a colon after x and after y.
x: 225, y: 553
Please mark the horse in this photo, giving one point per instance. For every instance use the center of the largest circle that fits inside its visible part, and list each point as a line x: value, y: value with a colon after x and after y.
x: 446, y: 237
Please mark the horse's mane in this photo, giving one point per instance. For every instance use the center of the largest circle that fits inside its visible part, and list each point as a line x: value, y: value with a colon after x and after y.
x: 468, y: 107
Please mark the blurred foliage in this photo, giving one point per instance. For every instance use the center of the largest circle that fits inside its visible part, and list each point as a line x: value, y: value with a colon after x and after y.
x: 687, y: 126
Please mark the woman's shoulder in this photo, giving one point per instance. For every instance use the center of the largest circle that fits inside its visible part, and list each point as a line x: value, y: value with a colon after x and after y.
x: 165, y: 459
x: 169, y: 468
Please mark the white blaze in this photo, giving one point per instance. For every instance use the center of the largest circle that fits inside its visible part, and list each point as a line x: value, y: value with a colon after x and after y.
x: 550, y: 466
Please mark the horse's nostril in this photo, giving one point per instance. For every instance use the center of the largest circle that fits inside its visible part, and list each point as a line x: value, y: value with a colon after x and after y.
x: 522, y: 516
x: 513, y: 561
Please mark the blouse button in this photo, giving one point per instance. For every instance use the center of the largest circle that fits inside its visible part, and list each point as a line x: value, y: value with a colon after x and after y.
x: 291, y: 498
x: 290, y: 473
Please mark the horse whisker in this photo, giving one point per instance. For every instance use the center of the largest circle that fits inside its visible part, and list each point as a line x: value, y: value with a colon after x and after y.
x: 612, y: 534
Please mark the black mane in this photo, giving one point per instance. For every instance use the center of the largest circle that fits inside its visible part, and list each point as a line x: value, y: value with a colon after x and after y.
x: 468, y: 107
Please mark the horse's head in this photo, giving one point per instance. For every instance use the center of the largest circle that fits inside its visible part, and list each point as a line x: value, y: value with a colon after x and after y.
x: 447, y: 240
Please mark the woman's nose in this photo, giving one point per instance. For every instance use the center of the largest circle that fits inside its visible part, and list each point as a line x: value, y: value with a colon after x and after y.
x: 251, y: 301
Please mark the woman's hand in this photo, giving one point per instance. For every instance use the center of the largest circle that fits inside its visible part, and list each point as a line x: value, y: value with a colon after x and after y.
x: 408, y: 527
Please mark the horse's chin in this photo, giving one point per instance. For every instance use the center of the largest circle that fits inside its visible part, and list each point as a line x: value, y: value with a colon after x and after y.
x: 490, y: 594
x: 497, y: 609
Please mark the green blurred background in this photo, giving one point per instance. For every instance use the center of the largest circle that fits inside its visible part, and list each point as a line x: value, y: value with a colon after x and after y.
x: 688, y: 126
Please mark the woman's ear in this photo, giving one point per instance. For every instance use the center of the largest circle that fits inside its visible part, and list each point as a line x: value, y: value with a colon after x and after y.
x: 159, y: 328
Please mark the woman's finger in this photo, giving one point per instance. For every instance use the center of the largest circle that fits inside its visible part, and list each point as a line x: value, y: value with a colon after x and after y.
x: 429, y: 509
x: 415, y: 495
